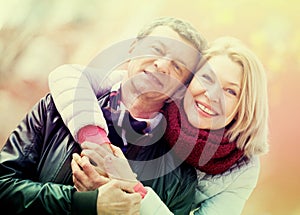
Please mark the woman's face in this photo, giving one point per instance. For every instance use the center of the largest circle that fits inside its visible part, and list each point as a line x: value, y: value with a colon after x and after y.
x: 212, y: 96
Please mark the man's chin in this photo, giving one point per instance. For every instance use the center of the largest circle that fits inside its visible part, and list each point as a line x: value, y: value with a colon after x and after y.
x: 154, y: 95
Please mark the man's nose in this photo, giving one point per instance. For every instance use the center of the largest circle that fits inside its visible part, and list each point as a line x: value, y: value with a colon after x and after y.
x: 163, y: 65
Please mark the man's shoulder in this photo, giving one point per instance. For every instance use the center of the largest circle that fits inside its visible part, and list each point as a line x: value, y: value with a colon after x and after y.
x: 47, y: 114
x: 179, y: 170
x: 103, y: 98
x: 185, y: 172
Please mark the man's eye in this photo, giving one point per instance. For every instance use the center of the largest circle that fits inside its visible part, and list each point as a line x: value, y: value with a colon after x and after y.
x: 157, y: 50
x: 207, y: 78
x: 177, y: 67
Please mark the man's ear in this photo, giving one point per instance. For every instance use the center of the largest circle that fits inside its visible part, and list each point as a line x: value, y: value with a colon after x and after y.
x: 132, y: 46
x: 123, y: 66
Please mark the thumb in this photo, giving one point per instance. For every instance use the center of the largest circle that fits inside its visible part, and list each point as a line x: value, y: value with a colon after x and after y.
x: 126, y: 186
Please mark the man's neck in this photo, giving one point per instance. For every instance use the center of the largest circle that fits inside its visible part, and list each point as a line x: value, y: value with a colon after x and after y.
x: 139, y: 105
x: 142, y: 107
x: 141, y: 111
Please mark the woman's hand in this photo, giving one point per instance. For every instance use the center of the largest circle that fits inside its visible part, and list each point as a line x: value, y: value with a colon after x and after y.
x: 118, y: 168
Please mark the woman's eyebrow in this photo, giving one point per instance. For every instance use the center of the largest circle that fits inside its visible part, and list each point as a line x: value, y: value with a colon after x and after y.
x: 234, y: 84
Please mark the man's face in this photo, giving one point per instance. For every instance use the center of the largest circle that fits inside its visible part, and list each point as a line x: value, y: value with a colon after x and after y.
x: 162, y: 62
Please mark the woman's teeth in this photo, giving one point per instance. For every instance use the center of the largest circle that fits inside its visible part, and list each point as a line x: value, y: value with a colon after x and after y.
x: 206, y: 110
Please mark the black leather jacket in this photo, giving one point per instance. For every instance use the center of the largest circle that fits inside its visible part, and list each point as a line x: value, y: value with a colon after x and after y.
x: 36, y: 177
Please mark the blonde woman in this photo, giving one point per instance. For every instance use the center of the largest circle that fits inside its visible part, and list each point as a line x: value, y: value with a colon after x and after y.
x: 227, y: 100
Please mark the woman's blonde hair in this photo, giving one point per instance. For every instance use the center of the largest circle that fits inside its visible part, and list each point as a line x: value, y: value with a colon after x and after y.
x: 251, y: 121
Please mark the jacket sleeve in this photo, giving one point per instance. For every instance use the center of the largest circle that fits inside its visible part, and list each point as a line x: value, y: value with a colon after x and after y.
x: 152, y: 205
x: 74, y: 89
x: 232, y: 200
x: 21, y: 190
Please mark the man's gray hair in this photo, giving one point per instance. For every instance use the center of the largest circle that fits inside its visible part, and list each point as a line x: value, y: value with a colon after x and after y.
x: 183, y: 28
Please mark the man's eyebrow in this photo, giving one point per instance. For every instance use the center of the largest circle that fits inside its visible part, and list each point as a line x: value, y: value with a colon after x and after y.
x: 173, y: 57
x: 165, y: 46
x: 160, y: 42
x: 206, y: 70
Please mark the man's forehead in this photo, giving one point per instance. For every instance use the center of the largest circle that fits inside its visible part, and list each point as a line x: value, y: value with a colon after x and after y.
x: 118, y: 53
x: 170, y: 43
x: 171, y: 48
x: 165, y: 32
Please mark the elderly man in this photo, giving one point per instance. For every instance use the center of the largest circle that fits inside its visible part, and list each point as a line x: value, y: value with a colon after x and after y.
x: 36, y: 176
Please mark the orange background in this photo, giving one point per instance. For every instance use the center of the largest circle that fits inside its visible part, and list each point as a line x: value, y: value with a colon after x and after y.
x: 37, y: 36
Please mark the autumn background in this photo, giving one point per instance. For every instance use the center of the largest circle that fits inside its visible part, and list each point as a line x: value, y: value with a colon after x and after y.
x: 38, y: 35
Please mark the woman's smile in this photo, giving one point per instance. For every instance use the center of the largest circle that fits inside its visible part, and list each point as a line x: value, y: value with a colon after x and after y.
x: 205, y: 109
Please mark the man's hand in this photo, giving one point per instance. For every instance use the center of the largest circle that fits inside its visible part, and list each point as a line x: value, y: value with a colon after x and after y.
x: 85, y: 176
x: 118, y: 197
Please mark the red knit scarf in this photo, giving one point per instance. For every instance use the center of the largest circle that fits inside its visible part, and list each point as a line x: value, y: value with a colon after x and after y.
x: 207, y: 150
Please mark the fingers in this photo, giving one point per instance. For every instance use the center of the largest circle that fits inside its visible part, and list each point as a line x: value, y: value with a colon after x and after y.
x: 101, y: 150
x: 88, y: 168
x: 118, y: 168
x: 107, y: 147
x: 95, y: 158
x: 77, y: 176
x: 112, y: 199
x: 117, y: 151
x: 110, y: 168
x: 129, y: 196
x: 96, y: 154
x: 134, y: 200
x: 76, y: 157
x: 97, y: 165
x: 126, y: 186
x: 85, y: 177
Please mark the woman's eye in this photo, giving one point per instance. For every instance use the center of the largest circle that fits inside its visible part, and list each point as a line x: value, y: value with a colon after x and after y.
x: 232, y: 92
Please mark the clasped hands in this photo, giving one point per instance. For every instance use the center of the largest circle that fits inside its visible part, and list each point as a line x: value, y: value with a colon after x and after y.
x: 111, y: 174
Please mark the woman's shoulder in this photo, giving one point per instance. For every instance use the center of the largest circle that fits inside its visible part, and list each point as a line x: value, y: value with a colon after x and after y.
x: 242, y: 174
x: 243, y: 167
x: 245, y: 164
